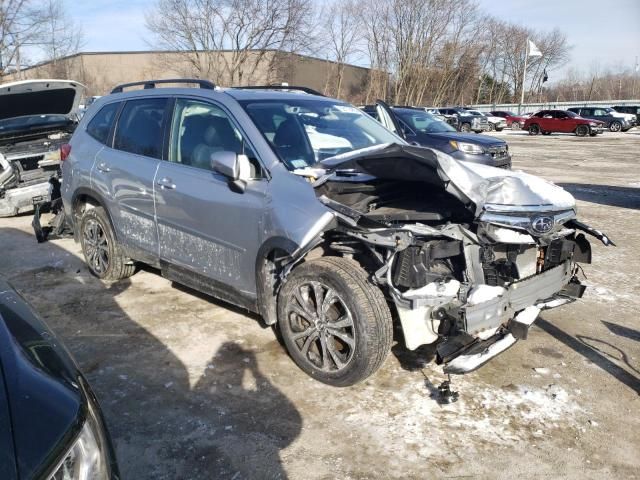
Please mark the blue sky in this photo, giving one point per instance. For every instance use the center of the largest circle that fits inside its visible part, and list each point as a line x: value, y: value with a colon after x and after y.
x: 601, y: 32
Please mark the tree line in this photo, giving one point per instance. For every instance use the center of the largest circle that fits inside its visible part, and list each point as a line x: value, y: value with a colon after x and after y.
x: 419, y: 52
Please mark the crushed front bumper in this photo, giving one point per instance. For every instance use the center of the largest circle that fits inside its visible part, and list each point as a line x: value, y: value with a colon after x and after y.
x: 510, y: 315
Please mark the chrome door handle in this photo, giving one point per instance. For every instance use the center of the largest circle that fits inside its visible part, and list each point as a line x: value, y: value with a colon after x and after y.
x: 102, y: 166
x: 166, y: 183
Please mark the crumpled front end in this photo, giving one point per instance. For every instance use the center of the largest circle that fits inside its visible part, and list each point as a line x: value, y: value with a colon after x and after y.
x: 467, y: 255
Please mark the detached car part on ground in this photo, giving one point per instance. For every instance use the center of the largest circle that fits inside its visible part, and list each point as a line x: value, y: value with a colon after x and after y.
x: 418, y: 127
x: 36, y: 118
x: 51, y: 426
x: 310, y: 213
x: 546, y: 122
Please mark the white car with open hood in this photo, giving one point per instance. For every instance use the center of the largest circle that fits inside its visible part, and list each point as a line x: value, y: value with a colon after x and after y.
x: 37, y: 117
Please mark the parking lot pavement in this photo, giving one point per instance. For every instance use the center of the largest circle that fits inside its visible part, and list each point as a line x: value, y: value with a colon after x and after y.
x: 193, y: 388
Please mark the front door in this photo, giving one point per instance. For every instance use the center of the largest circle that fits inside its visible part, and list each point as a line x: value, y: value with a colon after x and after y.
x: 205, y: 226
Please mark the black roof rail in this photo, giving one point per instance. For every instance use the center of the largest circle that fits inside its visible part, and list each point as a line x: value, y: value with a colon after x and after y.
x: 308, y: 90
x: 206, y: 84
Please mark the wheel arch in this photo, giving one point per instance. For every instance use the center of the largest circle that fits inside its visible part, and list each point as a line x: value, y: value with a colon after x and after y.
x: 82, y: 198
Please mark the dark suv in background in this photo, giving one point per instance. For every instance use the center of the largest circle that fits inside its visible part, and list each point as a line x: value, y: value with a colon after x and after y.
x: 629, y: 110
x: 421, y: 128
x: 614, y: 121
x: 466, y: 121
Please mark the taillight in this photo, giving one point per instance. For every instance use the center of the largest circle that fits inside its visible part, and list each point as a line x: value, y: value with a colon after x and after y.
x: 65, y: 150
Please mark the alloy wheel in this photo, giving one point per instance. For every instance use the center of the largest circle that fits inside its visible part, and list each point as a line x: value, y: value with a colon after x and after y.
x: 321, y: 326
x: 96, y: 246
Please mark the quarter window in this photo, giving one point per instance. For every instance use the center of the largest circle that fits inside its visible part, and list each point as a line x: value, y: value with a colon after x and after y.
x: 139, y: 128
x: 100, y: 125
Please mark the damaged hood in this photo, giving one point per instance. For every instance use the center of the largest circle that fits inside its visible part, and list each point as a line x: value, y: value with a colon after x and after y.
x: 39, y: 97
x: 479, y: 187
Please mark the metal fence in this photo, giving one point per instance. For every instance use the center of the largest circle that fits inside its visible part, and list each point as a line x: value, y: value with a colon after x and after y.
x: 534, y: 107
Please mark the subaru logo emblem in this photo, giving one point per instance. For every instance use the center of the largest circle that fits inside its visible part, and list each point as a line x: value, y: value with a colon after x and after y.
x: 542, y: 224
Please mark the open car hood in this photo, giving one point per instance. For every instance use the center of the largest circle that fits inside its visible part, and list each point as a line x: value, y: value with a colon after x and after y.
x: 479, y: 187
x: 39, y: 97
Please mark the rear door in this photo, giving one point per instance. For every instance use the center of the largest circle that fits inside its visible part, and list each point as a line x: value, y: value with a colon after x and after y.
x: 208, y: 231
x: 125, y: 173
x: 602, y: 115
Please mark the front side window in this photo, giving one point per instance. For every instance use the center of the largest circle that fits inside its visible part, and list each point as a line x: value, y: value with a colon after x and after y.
x: 201, y: 129
x: 100, y: 125
x: 303, y: 132
x: 139, y: 128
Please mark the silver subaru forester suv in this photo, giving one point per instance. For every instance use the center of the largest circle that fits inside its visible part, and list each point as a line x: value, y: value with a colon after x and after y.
x: 309, y: 212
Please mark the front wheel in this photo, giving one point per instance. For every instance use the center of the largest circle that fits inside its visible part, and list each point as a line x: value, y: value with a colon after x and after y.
x: 491, y: 127
x: 582, y: 130
x: 335, y: 323
x: 465, y: 127
x: 615, y: 126
x: 534, y: 129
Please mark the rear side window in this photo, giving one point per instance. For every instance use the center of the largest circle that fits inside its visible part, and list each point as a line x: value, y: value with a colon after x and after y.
x: 139, y: 128
x: 100, y: 125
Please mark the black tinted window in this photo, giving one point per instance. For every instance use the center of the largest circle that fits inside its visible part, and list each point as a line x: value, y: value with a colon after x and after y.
x: 100, y: 125
x: 139, y: 127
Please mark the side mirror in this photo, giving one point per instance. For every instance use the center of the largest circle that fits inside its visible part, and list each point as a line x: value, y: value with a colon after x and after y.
x: 235, y: 167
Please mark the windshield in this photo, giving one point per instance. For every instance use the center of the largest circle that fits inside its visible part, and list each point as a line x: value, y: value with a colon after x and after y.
x: 306, y: 131
x: 424, y: 122
x: 31, y: 122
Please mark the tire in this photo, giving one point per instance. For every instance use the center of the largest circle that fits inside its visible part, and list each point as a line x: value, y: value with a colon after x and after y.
x: 491, y: 127
x: 465, y: 127
x: 515, y: 125
x: 102, y: 252
x: 338, y: 356
x: 582, y: 130
x: 499, y: 129
x: 534, y: 129
x: 615, y: 126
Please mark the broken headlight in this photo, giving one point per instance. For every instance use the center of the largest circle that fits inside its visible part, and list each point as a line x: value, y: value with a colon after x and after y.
x: 87, y: 459
x: 467, y: 147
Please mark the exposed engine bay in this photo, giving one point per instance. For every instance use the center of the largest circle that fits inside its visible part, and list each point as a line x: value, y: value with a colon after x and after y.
x: 36, y: 118
x: 461, y: 271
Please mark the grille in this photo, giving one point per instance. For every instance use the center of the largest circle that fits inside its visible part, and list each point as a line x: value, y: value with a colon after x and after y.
x: 498, y: 152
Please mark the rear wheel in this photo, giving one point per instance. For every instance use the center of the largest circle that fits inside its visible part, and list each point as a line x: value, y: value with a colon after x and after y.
x: 102, y: 253
x: 615, y: 126
x: 534, y: 129
x: 335, y: 323
x: 582, y: 130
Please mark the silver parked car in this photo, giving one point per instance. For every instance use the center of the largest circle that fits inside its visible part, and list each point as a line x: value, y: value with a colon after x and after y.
x: 306, y: 210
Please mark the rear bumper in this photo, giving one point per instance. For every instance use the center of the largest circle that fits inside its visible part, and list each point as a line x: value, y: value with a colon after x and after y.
x: 21, y: 199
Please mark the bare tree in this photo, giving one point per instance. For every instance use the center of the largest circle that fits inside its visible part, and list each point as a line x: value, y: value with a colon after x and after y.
x: 20, y: 26
x: 342, y: 33
x: 243, y: 33
x: 60, y: 37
